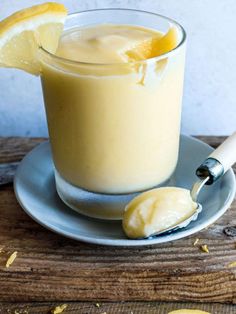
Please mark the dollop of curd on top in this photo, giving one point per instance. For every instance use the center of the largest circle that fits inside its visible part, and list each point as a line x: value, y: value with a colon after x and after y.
x: 111, y: 43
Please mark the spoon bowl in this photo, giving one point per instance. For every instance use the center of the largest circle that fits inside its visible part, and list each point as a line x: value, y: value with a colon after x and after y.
x: 180, y: 225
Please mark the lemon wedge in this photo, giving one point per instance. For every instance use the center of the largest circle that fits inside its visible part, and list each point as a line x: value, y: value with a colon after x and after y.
x: 154, y: 47
x: 22, y: 33
x: 164, y: 44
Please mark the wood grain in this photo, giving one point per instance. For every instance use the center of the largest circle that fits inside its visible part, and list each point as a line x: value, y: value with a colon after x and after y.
x: 52, y: 268
x: 114, y: 308
x: 14, y: 148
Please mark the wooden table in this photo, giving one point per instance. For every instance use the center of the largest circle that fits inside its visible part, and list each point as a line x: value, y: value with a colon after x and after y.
x: 52, y: 270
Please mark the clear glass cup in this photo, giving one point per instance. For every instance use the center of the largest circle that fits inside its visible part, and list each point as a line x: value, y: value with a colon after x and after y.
x: 114, y: 128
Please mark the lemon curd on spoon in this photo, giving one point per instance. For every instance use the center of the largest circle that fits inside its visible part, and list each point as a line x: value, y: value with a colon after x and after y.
x: 157, y: 210
x: 113, y: 107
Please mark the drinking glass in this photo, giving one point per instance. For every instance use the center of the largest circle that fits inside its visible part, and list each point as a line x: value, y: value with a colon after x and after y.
x: 114, y: 128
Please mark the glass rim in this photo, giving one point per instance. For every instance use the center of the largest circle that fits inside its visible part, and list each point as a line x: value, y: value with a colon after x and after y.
x: 160, y: 57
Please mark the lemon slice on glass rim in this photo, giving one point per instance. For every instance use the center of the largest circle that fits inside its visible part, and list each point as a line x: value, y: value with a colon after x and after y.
x: 22, y: 33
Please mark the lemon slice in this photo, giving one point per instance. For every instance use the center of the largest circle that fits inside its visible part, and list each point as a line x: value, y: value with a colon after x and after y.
x: 154, y: 47
x: 165, y: 44
x: 22, y: 33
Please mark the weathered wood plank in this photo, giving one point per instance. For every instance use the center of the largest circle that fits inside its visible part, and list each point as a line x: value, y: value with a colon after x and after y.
x: 14, y: 148
x: 52, y: 268
x: 114, y: 308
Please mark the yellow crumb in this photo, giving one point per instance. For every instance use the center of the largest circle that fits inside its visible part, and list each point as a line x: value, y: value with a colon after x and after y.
x: 19, y: 312
x: 188, y: 311
x: 195, y: 242
x: 233, y: 264
x: 11, y: 259
x: 204, y: 248
x: 59, y: 309
x: 97, y: 305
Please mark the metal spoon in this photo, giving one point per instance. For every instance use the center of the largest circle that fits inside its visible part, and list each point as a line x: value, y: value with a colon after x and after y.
x: 213, y: 168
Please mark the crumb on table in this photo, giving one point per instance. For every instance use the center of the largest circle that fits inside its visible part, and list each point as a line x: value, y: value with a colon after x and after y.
x: 204, y: 248
x: 59, y: 309
x: 195, y: 242
x: 233, y: 264
x: 11, y: 259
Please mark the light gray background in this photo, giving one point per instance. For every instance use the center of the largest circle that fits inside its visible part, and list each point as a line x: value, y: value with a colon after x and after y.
x: 209, y: 104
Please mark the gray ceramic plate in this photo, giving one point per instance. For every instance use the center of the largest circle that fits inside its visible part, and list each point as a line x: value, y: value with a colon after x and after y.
x: 35, y: 190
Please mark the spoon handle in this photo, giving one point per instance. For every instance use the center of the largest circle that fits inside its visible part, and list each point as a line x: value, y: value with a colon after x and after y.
x: 226, y: 152
x: 219, y: 161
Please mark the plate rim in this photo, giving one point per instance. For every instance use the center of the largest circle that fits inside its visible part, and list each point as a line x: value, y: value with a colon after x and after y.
x: 122, y: 242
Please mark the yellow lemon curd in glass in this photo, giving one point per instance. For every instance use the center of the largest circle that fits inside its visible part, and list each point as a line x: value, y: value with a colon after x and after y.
x: 114, y: 115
